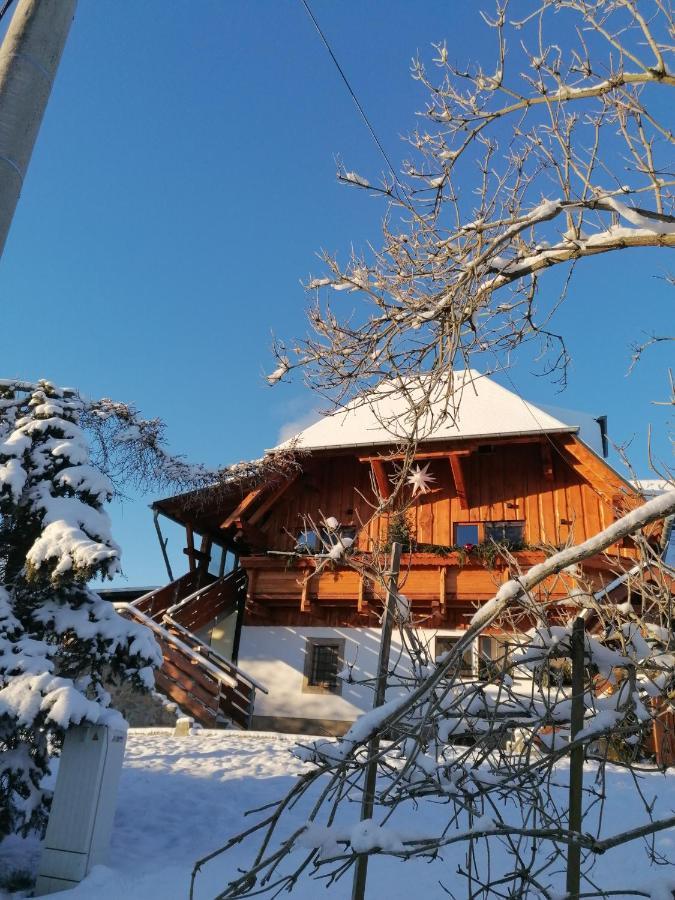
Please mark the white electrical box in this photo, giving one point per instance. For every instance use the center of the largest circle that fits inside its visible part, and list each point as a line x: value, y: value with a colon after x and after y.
x: 83, y: 808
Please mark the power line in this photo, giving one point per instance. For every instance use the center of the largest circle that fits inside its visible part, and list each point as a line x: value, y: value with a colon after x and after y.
x: 394, y: 175
x: 543, y: 431
x: 351, y: 91
x: 5, y: 6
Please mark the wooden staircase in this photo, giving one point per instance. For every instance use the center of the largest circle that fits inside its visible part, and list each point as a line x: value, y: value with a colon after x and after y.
x: 202, y: 682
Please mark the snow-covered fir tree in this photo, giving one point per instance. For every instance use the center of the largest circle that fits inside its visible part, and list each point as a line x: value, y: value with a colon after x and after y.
x: 59, y: 641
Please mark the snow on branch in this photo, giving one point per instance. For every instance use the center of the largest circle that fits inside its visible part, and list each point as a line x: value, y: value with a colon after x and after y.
x: 538, y: 158
x: 509, y: 594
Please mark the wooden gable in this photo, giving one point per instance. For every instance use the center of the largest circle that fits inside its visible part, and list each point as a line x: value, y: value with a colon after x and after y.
x: 560, y: 490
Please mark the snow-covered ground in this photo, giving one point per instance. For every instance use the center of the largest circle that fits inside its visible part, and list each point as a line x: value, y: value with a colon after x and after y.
x: 181, y: 798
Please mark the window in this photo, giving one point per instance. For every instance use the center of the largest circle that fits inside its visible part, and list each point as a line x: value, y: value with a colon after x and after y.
x: 320, y: 542
x: 466, y: 534
x: 445, y: 643
x: 348, y: 531
x: 308, y: 542
x: 324, y: 660
x: 510, y: 533
x: 217, y: 560
x: 486, y: 664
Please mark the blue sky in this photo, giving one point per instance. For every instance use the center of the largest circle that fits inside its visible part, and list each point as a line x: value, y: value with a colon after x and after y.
x: 182, y: 184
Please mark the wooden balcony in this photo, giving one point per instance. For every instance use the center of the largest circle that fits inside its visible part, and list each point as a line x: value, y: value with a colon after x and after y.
x: 445, y: 586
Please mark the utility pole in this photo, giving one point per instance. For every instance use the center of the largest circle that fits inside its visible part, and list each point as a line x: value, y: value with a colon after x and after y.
x: 370, y: 776
x: 29, y: 57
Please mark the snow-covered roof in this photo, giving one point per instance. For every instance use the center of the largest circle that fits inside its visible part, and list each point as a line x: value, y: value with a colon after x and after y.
x: 651, y: 487
x: 484, y: 409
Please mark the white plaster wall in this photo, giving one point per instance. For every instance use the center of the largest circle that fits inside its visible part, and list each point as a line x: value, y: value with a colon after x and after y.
x: 276, y: 658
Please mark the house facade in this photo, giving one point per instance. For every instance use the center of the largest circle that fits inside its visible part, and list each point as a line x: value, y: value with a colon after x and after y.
x: 288, y: 629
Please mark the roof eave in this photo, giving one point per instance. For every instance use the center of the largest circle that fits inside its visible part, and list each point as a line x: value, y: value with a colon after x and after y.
x: 538, y: 432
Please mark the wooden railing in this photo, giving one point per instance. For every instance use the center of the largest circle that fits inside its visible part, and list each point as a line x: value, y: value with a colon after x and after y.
x: 210, y: 603
x: 236, y: 698
x: 202, y: 682
x: 156, y: 603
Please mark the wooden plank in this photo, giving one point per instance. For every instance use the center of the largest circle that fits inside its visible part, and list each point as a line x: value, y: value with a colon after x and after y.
x: 204, y: 715
x: 362, y: 602
x: 190, y: 549
x: 458, y: 478
x: 597, y: 472
x: 442, y: 588
x: 248, y: 500
x: 250, y: 587
x: 425, y: 519
x: 175, y: 661
x: 305, y: 598
x: 547, y: 461
x: 269, y: 502
x: 236, y: 708
x: 458, y: 446
x: 190, y: 683
x: 381, y: 479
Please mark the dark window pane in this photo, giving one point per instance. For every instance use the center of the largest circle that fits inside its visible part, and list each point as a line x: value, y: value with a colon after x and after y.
x: 445, y: 644
x: 485, y: 664
x: 324, y: 666
x: 308, y: 542
x: 466, y: 534
x: 331, y: 538
x: 509, y: 533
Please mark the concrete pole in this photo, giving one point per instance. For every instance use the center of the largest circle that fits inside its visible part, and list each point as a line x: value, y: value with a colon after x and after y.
x: 29, y: 58
x: 370, y: 775
x: 576, y: 788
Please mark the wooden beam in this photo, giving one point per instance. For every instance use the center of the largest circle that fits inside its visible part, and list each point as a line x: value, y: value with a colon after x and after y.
x: 305, y: 597
x: 190, y: 549
x: 442, y: 592
x: 250, y: 587
x: 251, y: 535
x: 594, y: 470
x: 458, y: 477
x: 267, y: 504
x: 196, y: 554
x: 241, y: 509
x: 362, y: 602
x: 381, y: 479
x: 460, y: 446
x: 547, y: 461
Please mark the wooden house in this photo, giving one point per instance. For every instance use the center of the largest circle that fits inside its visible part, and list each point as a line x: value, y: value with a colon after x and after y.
x: 251, y: 635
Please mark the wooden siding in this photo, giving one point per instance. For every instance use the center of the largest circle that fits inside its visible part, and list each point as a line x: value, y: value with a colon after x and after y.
x: 513, y: 482
x: 446, y: 590
x: 558, y: 489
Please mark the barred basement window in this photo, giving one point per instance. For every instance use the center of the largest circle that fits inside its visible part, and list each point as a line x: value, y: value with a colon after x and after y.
x: 324, y: 660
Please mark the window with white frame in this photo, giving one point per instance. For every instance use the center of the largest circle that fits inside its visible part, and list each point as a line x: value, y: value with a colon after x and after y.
x: 483, y: 659
x: 447, y: 642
